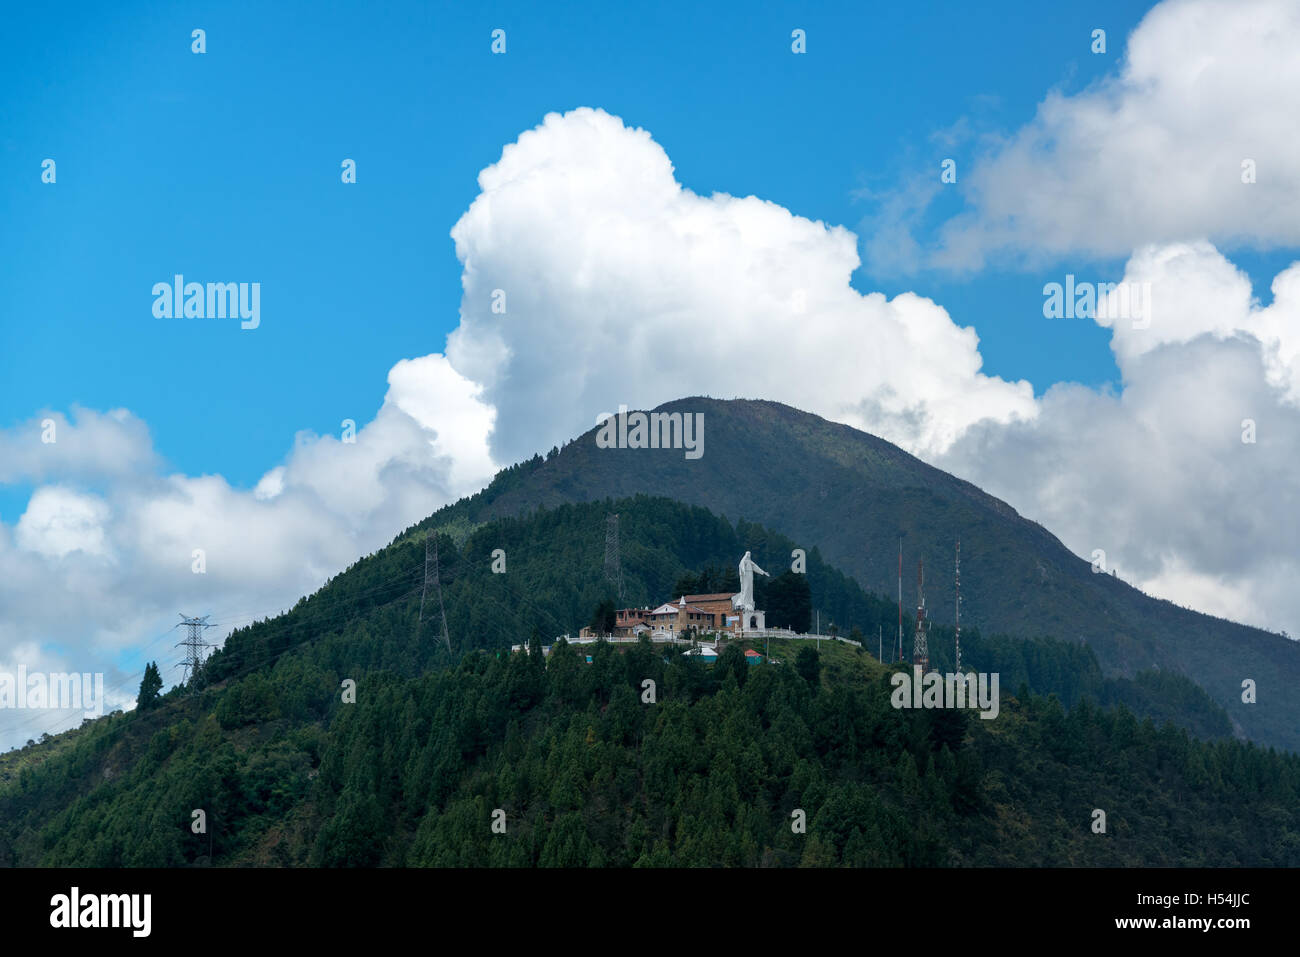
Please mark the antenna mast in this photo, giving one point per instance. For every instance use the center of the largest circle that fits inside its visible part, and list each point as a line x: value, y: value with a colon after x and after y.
x: 958, y: 618
x: 900, y: 600
x: 920, y: 647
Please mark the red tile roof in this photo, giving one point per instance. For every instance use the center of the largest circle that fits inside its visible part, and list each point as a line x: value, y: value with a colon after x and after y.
x: 716, y: 596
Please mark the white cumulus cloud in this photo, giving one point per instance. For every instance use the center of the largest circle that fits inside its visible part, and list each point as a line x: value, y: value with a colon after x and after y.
x: 622, y: 286
x: 1152, y: 154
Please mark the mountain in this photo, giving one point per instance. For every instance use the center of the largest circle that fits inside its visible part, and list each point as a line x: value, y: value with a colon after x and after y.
x: 344, y: 732
x: 852, y: 496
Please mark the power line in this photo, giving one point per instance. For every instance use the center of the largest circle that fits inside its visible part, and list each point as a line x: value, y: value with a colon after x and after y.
x: 321, y: 598
x: 323, y: 620
x: 251, y: 666
x: 332, y: 614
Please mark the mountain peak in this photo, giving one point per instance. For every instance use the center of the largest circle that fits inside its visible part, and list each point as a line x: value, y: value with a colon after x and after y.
x: 855, y: 496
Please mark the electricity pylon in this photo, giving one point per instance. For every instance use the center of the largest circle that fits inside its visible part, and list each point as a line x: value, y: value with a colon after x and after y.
x: 613, y: 559
x: 432, y: 575
x: 193, y: 644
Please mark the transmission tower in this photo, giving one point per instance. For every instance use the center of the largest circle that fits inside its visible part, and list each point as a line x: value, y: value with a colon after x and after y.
x: 920, y: 646
x: 433, y: 576
x: 193, y: 644
x: 613, y: 559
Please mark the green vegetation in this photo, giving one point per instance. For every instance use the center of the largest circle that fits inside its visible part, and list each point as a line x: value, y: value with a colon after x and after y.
x: 787, y: 599
x: 604, y: 618
x: 809, y: 666
x: 589, y: 773
x: 712, y: 580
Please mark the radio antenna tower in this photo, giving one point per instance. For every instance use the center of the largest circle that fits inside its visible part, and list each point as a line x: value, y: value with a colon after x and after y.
x: 433, y: 576
x: 193, y: 644
x: 900, y: 601
x: 958, y: 617
x: 920, y: 647
x: 613, y: 557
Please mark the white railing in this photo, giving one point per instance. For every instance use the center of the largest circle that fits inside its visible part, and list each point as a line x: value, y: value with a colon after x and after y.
x: 676, y: 639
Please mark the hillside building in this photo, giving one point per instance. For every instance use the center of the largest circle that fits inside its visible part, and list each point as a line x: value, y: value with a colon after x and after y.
x: 712, y: 612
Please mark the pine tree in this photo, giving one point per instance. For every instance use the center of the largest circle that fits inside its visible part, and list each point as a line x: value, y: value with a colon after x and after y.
x: 809, y: 666
x: 150, y: 685
x: 535, y: 652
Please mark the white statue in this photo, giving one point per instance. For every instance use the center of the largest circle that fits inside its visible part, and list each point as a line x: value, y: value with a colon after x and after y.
x: 745, y: 600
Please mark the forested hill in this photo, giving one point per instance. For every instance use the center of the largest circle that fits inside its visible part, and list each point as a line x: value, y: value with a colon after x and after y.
x: 581, y: 770
x: 554, y: 578
x: 588, y: 772
x: 852, y: 495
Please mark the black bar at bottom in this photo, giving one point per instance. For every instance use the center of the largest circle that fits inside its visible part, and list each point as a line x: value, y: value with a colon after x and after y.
x: 233, y: 906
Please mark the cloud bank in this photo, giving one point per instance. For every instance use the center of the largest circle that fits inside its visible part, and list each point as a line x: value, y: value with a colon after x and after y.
x: 1152, y: 154
x: 105, y: 549
x: 1186, y: 477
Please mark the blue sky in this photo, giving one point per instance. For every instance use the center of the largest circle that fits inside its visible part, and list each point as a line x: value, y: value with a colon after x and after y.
x: 227, y: 165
